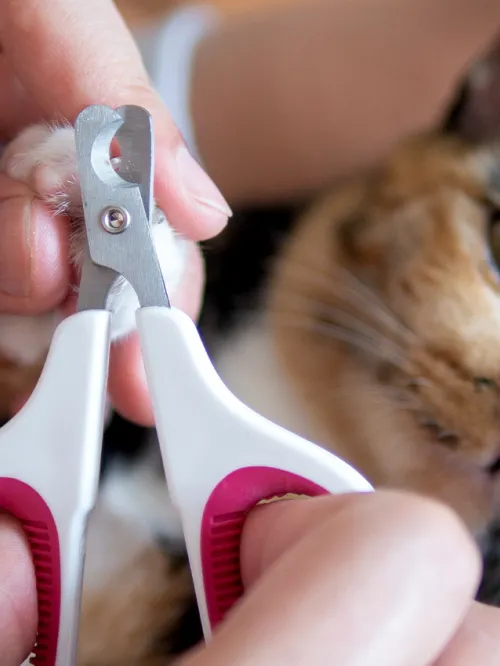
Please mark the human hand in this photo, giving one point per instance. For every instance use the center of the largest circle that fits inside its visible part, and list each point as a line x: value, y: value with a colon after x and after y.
x: 358, y: 580
x: 53, y: 63
x: 370, y: 579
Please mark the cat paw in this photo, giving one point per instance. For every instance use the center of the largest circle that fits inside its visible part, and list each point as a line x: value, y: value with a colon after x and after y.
x: 44, y: 158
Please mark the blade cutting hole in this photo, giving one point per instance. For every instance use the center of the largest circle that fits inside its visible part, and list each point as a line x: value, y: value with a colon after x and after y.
x: 108, y: 156
x: 116, y: 154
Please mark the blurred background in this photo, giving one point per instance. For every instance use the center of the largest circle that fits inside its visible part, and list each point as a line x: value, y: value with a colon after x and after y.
x: 137, y: 11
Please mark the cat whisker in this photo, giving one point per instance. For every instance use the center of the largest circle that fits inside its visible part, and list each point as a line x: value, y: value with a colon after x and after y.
x: 447, y: 435
x: 366, y: 296
x: 428, y: 423
x: 357, y: 295
x: 417, y: 382
x: 336, y: 316
x: 369, y: 296
x: 353, y: 338
x: 401, y: 396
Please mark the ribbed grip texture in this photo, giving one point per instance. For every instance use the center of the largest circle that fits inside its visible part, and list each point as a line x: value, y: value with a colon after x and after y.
x: 29, y: 508
x: 225, y: 539
x: 45, y: 572
x: 222, y: 526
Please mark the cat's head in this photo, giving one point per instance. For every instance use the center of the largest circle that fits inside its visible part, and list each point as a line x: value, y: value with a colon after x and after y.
x: 386, y: 306
x: 425, y: 238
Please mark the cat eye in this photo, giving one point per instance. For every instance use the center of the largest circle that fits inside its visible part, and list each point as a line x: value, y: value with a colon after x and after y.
x: 449, y: 438
x: 446, y: 437
x: 483, y: 383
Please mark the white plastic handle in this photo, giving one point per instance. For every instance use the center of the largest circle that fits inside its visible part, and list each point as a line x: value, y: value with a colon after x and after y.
x: 49, y: 471
x: 207, y: 435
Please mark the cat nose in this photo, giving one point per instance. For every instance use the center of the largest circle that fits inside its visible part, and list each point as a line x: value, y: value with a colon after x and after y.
x: 493, y: 467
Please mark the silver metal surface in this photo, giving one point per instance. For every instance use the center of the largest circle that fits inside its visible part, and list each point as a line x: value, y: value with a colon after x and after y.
x: 115, y: 220
x: 95, y: 285
x: 125, y: 183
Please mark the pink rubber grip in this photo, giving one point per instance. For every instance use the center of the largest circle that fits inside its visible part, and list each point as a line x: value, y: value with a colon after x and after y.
x: 222, y: 526
x: 27, y: 506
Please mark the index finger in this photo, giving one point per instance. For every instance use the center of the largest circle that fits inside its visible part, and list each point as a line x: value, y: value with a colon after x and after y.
x: 331, y: 584
x: 84, y: 54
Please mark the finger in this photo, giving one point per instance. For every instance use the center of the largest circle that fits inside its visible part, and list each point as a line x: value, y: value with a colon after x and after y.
x: 18, y: 603
x: 188, y: 296
x: 128, y: 388
x: 34, y: 272
x: 477, y: 641
x: 127, y: 384
x: 289, y: 522
x: 85, y: 55
x: 366, y: 592
x: 16, y: 109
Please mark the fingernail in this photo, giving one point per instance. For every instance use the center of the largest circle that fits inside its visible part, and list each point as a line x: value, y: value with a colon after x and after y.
x: 15, y: 246
x: 200, y: 186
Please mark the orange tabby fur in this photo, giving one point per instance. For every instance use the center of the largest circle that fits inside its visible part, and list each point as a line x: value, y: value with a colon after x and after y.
x: 386, y: 316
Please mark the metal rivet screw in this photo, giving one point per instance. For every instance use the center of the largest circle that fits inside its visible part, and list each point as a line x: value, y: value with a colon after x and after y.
x: 115, y: 220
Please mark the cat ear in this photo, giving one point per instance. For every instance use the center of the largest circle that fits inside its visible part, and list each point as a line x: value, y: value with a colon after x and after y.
x: 475, y: 116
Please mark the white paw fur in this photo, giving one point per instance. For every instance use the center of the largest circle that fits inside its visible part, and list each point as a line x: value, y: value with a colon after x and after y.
x: 44, y: 157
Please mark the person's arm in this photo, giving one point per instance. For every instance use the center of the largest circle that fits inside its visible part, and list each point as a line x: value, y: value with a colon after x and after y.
x: 285, y: 102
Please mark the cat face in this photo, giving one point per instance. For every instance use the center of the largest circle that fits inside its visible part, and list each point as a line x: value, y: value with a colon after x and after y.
x: 386, y: 311
x: 428, y: 243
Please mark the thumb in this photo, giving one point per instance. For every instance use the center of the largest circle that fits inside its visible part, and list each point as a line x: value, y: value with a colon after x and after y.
x: 33, y: 252
x: 332, y: 586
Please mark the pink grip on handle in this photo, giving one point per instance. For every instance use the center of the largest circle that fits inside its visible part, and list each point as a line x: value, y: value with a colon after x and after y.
x: 27, y: 506
x: 222, y: 526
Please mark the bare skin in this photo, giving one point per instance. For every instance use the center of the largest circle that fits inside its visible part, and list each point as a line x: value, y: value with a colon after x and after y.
x: 353, y: 604
x: 285, y: 119
x: 101, y: 64
x: 329, y: 89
